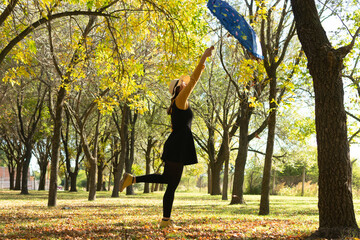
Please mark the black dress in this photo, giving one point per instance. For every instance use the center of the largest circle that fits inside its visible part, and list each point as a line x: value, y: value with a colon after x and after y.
x: 180, y: 147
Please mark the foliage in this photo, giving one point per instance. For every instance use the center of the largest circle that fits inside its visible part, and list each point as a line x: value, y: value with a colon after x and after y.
x: 310, y: 189
x: 136, y: 217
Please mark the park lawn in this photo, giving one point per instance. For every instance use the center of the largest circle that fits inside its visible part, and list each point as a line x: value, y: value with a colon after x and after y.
x: 199, y: 215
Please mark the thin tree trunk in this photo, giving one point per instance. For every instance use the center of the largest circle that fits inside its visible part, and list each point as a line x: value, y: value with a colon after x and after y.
x: 226, y: 156
x: 240, y: 162
x: 92, y: 158
x: 25, y: 170
x: 265, y: 186
x: 55, y: 150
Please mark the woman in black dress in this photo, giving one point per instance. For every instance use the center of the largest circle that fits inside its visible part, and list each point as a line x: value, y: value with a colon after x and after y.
x: 179, y: 148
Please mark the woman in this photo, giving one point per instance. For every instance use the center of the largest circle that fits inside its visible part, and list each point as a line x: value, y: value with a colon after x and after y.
x: 179, y: 148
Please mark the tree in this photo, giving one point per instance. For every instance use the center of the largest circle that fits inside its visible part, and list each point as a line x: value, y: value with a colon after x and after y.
x: 42, y: 153
x: 59, y: 108
x: 274, y: 50
x: 325, y: 63
x: 12, y: 147
x: 72, y: 146
x: 220, y: 110
x: 28, y: 126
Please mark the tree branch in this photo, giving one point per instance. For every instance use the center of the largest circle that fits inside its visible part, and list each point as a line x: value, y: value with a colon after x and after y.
x: 9, y: 8
x: 256, y: 151
x: 343, y: 51
x: 354, y: 135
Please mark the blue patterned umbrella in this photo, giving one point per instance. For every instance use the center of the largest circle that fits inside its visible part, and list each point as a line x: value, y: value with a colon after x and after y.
x: 236, y: 25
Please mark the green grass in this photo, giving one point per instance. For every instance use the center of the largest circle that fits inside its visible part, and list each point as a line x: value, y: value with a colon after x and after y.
x: 200, y: 216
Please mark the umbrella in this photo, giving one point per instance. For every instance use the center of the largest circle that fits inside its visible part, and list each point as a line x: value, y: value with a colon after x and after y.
x: 236, y: 25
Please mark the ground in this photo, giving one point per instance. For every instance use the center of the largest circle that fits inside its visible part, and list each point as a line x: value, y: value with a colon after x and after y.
x: 198, y: 215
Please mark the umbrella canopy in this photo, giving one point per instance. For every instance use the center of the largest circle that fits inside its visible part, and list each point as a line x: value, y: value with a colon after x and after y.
x: 236, y: 25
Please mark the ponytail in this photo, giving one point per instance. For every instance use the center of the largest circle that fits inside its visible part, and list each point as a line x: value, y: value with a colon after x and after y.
x: 169, y: 110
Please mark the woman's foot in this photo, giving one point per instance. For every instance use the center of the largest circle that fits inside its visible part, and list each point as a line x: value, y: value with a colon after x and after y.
x: 168, y: 223
x: 126, y: 181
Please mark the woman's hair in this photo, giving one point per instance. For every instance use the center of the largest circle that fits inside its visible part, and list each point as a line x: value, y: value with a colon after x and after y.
x: 177, y: 90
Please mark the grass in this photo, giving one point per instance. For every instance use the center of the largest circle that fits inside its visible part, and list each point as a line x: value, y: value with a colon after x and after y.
x: 136, y: 217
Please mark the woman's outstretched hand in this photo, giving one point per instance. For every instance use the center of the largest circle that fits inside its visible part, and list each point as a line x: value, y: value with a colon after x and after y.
x: 208, y: 52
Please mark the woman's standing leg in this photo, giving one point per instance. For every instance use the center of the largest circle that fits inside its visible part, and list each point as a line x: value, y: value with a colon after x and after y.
x: 171, y: 176
x: 172, y: 173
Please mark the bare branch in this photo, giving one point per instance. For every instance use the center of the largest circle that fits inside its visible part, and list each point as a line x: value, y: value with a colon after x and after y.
x: 354, y: 135
x: 353, y: 116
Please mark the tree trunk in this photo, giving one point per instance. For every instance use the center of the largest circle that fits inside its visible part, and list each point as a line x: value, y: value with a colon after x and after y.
x: 336, y: 209
x: 65, y: 140
x: 73, y: 175
x: 215, y: 178
x: 100, y: 177
x: 67, y: 179
x: 131, y: 150
x: 55, y: 150
x: 12, y: 177
x: 42, y: 180
x: 92, y: 179
x: 209, y: 179
x: 92, y: 158
x: 109, y: 182
x: 265, y: 185
x: 226, y: 156
x: 123, y: 130
x: 18, y: 176
x: 226, y: 180
x: 73, y: 178
x: 59, y: 108
x: 25, y: 170
x: 87, y: 179
x: 240, y: 162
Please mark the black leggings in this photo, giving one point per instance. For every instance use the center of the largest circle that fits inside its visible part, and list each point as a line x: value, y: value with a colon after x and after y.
x: 171, y: 176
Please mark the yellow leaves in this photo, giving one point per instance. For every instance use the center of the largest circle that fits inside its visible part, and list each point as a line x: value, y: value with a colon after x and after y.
x: 137, y: 104
x: 247, y: 69
x: 262, y: 9
x: 253, y: 103
x: 106, y: 104
x: 13, y: 75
